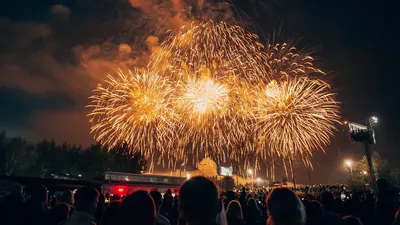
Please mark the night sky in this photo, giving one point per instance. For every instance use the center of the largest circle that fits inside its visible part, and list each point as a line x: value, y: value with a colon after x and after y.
x: 53, y: 53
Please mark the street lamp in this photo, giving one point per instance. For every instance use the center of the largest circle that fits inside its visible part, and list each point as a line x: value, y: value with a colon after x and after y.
x: 259, y: 181
x: 365, y: 172
x: 188, y: 176
x: 349, y: 164
x: 250, y: 171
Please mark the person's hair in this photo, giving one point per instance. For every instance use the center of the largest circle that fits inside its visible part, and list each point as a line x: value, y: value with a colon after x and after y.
x: 351, y: 220
x: 84, y: 198
x: 285, y: 208
x: 382, y: 185
x: 38, y: 193
x: 68, y: 197
x: 60, y: 212
x: 157, y: 197
x: 110, y: 214
x: 137, y: 208
x: 327, y: 200
x: 313, y: 211
x: 234, y: 211
x: 230, y: 195
x: 198, y: 200
x: 252, y: 204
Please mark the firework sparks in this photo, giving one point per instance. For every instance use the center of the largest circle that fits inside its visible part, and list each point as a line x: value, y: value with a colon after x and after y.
x: 216, y: 49
x: 284, y: 61
x: 207, y: 117
x: 206, y: 96
x: 134, y: 109
x: 295, y: 117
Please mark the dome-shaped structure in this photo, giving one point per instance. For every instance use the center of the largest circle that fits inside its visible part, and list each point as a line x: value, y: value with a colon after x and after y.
x: 207, y: 167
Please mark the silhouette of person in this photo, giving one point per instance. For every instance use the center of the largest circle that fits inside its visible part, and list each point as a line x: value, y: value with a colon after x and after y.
x: 110, y: 215
x: 198, y: 201
x: 60, y: 213
x: 35, y: 211
x: 86, y: 200
x: 285, y: 208
x: 137, y: 208
x: 234, y: 213
x: 160, y: 219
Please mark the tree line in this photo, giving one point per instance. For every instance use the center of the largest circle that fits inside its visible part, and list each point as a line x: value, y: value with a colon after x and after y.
x: 19, y: 157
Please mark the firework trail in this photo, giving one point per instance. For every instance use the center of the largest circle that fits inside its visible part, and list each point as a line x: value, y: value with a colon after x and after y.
x: 295, y: 117
x: 134, y: 109
x: 285, y: 61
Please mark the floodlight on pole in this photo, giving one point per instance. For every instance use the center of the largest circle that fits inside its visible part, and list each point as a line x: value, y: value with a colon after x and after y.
x: 366, y: 135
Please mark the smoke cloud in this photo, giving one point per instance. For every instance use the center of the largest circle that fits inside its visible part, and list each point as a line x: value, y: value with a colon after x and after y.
x: 59, y: 57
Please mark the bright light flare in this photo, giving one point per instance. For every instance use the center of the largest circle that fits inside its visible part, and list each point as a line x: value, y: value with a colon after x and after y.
x: 349, y: 162
x: 203, y: 97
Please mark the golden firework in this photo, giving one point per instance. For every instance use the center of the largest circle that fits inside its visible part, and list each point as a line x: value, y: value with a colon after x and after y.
x: 283, y: 60
x: 207, y: 118
x: 218, y: 50
x: 295, y: 117
x: 134, y: 109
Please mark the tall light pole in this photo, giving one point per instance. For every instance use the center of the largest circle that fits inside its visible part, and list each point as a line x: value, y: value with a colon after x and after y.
x: 250, y: 171
x: 366, y: 134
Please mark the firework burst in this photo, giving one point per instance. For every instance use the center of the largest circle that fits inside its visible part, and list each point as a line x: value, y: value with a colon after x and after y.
x: 295, y: 117
x: 285, y: 61
x: 134, y: 109
x: 218, y: 50
x: 207, y: 117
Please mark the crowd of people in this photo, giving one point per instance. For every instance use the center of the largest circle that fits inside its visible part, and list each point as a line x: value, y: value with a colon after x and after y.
x: 199, y: 202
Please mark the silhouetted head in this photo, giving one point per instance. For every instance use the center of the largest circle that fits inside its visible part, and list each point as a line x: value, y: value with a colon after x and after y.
x: 157, y: 197
x: 314, y: 209
x: 327, y: 200
x: 110, y: 214
x: 369, y: 198
x: 252, y: 204
x: 230, y: 196
x: 86, y: 200
x: 198, y: 200
x: 285, y: 208
x: 382, y: 185
x: 17, y: 190
x: 68, y: 197
x: 137, y: 208
x: 351, y: 220
x: 234, y: 211
x: 60, y: 212
x: 38, y: 193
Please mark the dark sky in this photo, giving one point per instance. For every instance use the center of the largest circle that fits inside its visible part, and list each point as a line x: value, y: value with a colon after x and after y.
x: 52, y: 53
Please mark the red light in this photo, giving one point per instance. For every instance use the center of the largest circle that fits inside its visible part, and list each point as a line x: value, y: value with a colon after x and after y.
x: 120, y: 190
